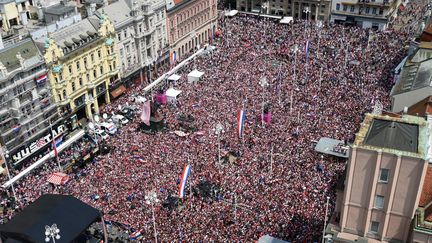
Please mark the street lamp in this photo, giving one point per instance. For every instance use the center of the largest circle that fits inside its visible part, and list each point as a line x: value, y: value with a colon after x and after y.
x: 263, y: 82
x: 306, y: 10
x: 5, y: 157
x: 219, y: 129
x: 151, y: 199
x: 295, y: 49
x: 53, y: 232
x: 325, y: 219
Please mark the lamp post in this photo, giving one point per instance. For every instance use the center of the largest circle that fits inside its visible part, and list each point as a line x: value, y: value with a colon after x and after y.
x: 295, y: 49
x: 53, y: 232
x: 219, y: 129
x: 325, y: 219
x: 263, y: 84
x: 306, y: 10
x: 5, y: 156
x: 319, y: 25
x: 151, y: 199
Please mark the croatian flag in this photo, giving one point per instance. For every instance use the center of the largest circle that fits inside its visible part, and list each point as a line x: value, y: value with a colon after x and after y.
x: 307, y: 49
x: 184, y: 178
x: 241, y: 117
x: 135, y: 235
x: 41, y: 79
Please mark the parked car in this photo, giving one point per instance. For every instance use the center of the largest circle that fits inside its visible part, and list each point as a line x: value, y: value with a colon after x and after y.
x: 119, y: 119
x: 100, y: 134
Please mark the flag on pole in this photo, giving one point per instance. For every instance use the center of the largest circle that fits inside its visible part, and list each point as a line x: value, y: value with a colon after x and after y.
x: 145, y: 115
x: 184, y: 178
x: 307, y: 49
x: 241, y: 117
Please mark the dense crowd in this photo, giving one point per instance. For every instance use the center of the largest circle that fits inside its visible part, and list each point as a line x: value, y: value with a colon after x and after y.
x: 346, y: 73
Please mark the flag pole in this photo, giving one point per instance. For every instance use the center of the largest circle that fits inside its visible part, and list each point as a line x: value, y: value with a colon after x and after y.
x: 190, y: 182
x: 55, y: 146
x: 271, y: 162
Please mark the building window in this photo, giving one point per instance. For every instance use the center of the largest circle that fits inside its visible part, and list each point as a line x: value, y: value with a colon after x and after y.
x: 85, y: 61
x: 99, y: 54
x: 374, y: 226
x: 384, y: 173
x: 352, y: 8
x: 373, y: 10
x: 80, y: 82
x: 64, y: 94
x: 94, y: 74
x: 379, y: 202
x: 337, y: 6
x: 101, y: 70
x: 367, y: 10
x: 73, y: 86
x: 88, y: 78
x: 78, y: 65
x: 345, y: 8
x: 381, y: 12
x: 92, y: 57
x: 70, y: 69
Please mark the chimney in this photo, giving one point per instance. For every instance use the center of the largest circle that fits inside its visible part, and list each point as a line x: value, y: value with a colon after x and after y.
x: 91, y: 9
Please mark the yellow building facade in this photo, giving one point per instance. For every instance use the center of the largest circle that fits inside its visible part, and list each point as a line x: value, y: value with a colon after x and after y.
x: 82, y: 64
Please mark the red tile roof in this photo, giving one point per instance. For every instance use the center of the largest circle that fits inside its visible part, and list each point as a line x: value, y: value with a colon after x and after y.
x: 421, y: 108
x: 426, y: 195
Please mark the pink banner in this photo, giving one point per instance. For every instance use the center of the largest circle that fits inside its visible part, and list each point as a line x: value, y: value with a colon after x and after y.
x: 267, y: 117
x: 145, y: 115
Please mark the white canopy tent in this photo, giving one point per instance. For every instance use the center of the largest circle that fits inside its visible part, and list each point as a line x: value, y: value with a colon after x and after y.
x: 231, y: 13
x: 172, y: 94
x: 286, y: 20
x: 174, y: 77
x: 195, y: 76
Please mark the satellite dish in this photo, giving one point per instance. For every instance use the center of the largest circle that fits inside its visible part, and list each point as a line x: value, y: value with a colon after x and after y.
x: 96, y: 118
x: 91, y: 125
x: 105, y: 116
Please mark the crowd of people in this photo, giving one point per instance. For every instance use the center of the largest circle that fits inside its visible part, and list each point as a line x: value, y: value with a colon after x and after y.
x: 277, y: 184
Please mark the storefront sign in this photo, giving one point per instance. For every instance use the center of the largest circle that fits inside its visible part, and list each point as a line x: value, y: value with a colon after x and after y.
x: 36, y: 145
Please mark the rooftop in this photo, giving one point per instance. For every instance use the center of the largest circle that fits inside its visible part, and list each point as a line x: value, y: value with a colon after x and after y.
x: 406, y: 135
x: 421, y: 108
x: 118, y: 13
x: 417, y: 72
x: 59, y: 9
x: 28, y: 51
x: 426, y: 195
x: 74, y: 36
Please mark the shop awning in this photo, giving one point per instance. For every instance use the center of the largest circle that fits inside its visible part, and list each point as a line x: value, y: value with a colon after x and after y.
x: 58, y: 178
x: 119, y: 91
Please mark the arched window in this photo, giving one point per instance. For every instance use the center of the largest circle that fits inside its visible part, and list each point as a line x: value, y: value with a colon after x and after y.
x: 64, y: 94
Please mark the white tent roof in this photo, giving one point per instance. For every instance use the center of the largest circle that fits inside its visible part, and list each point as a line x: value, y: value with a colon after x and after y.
x: 231, y: 13
x: 286, y: 20
x: 174, y: 77
x: 196, y: 74
x: 171, y: 92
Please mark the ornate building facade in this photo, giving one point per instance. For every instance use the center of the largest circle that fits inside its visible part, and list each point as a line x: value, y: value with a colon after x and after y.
x: 82, y: 63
